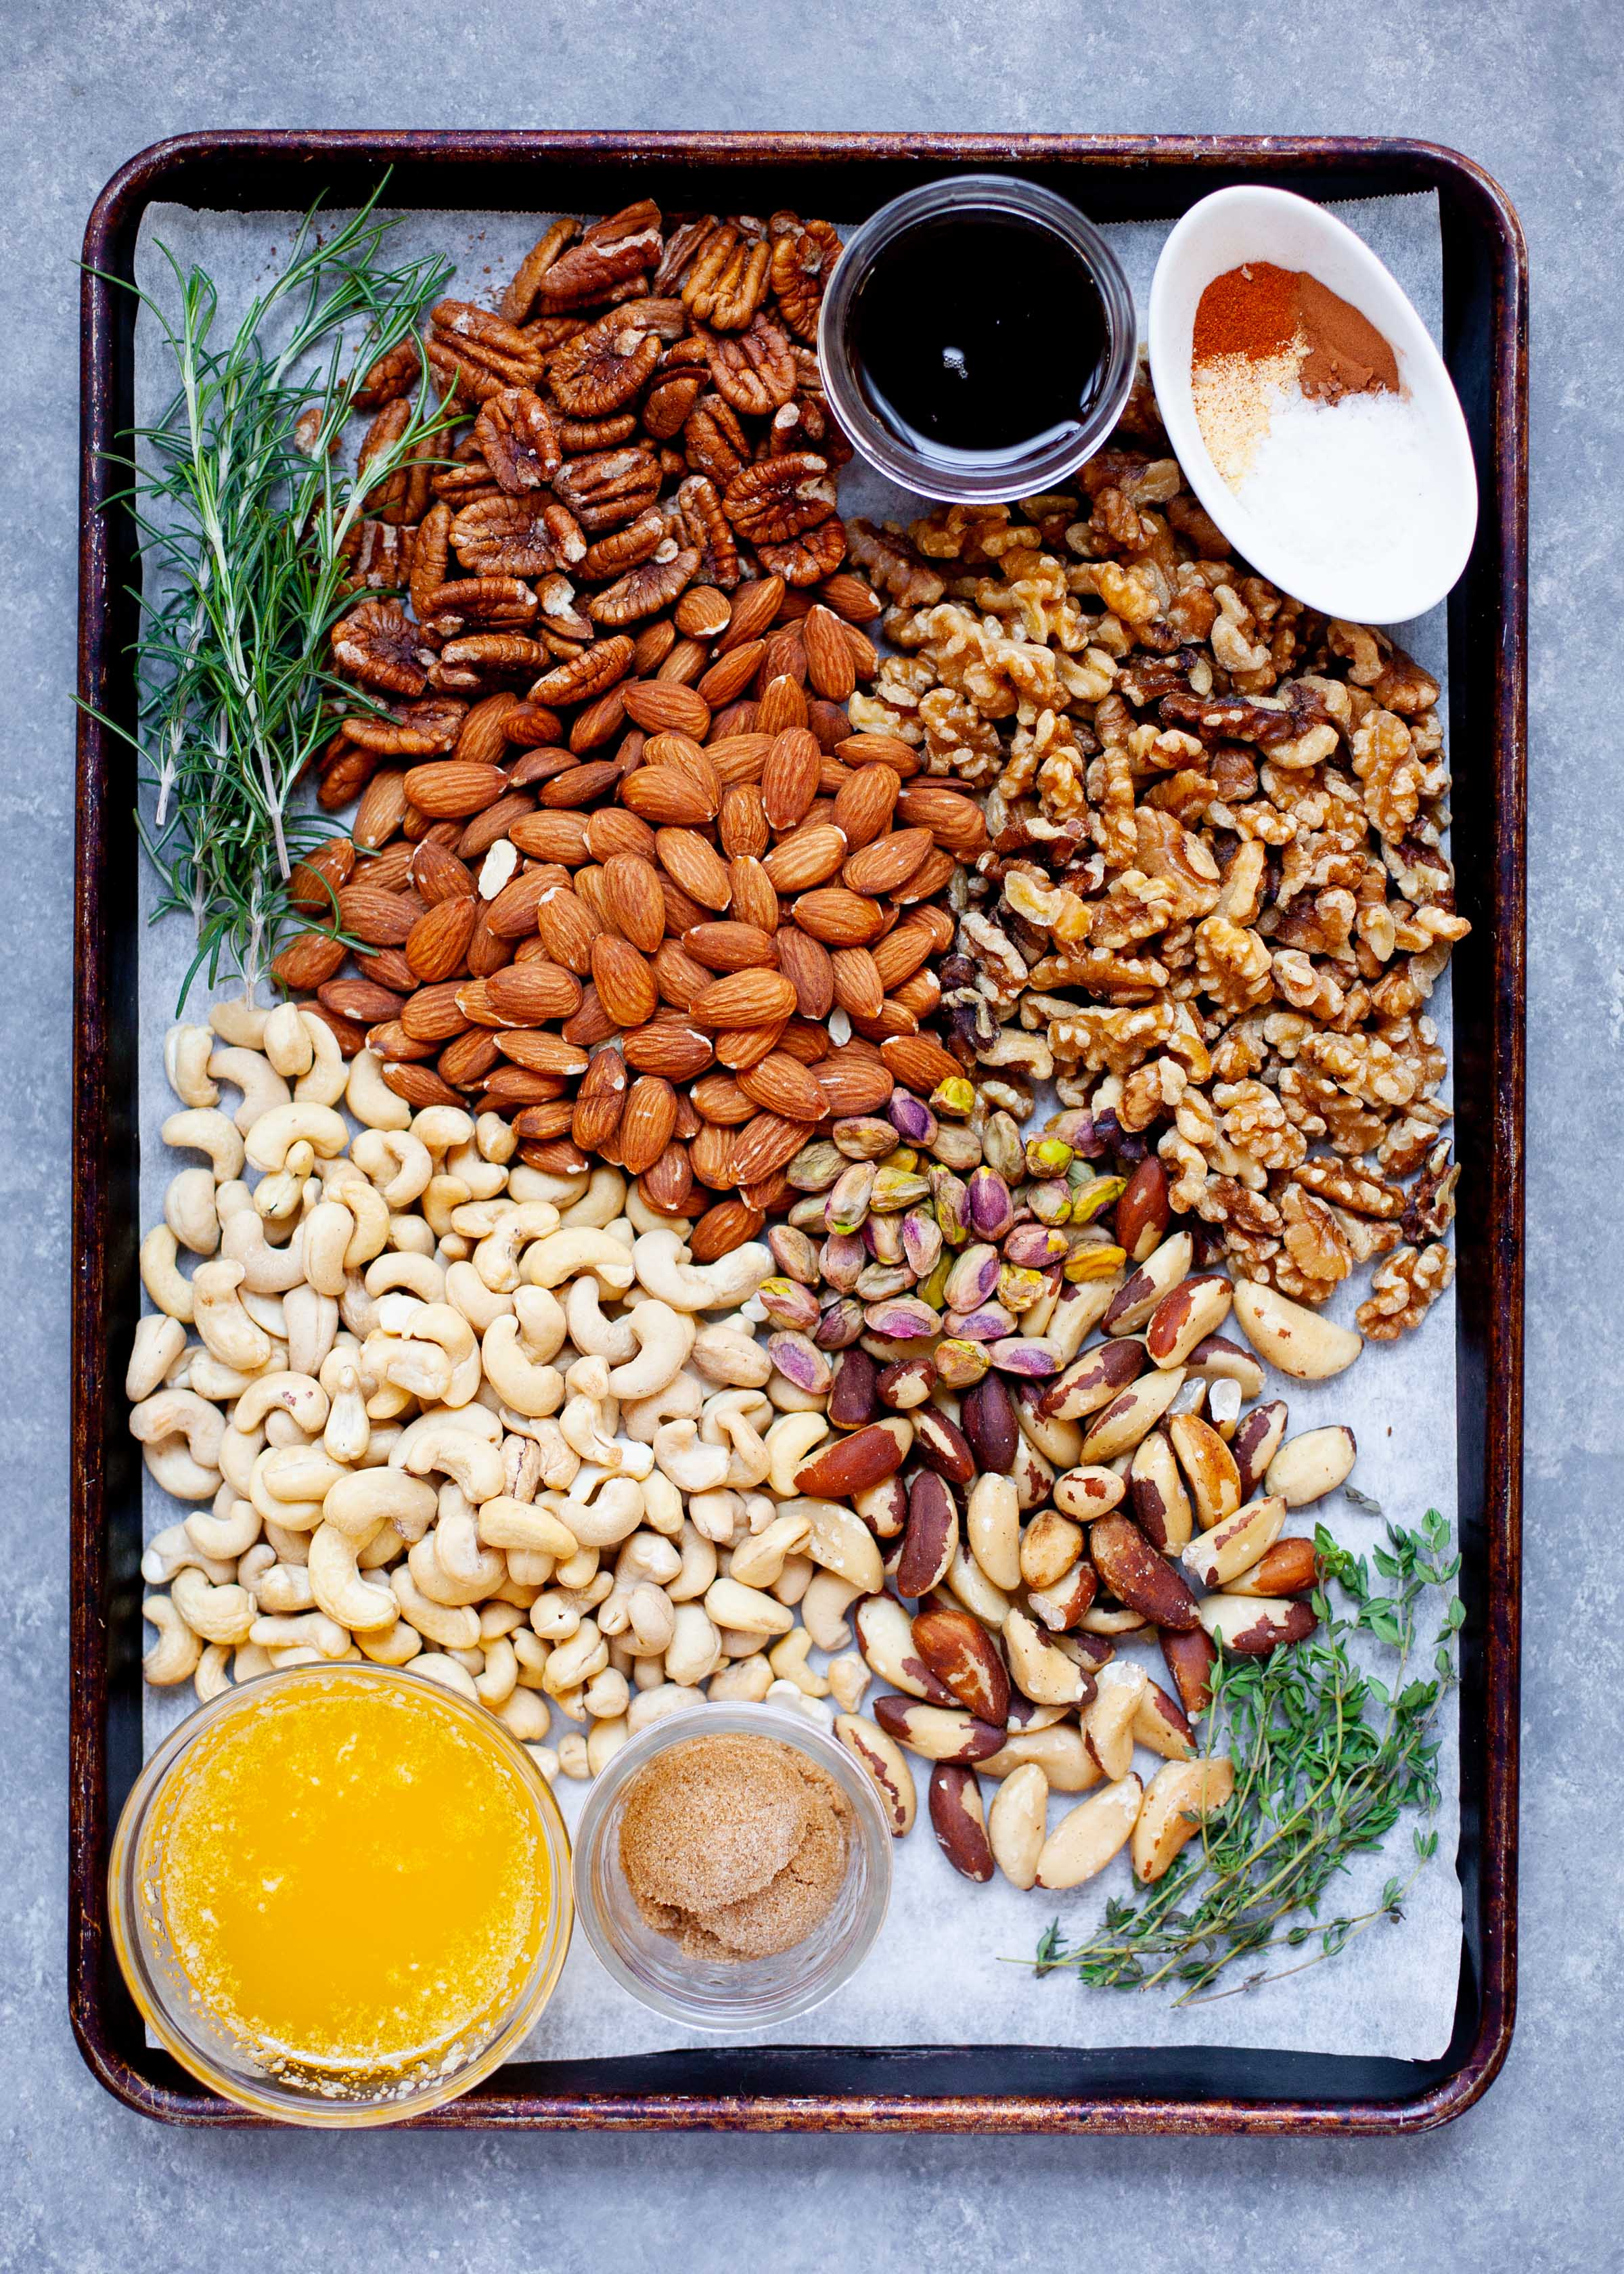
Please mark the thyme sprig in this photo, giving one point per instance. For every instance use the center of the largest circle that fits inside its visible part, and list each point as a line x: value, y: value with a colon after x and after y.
x: 245, y: 518
x: 1327, y: 1759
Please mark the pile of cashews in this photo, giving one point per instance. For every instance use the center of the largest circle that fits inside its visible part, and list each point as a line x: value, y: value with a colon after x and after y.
x: 430, y: 1407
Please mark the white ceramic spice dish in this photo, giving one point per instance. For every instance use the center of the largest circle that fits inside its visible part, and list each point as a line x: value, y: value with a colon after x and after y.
x: 1244, y: 224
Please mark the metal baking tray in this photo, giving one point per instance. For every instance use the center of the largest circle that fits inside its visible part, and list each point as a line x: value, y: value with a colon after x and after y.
x: 881, y: 2088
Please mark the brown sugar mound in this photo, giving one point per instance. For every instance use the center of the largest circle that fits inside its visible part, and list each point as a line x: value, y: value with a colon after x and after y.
x: 734, y: 1845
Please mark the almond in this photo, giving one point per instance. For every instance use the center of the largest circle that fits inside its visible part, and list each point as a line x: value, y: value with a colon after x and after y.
x: 382, y: 809
x: 919, y: 1062
x: 483, y: 735
x: 702, y: 611
x: 560, y: 1156
x: 850, y: 598
x: 682, y: 912
x: 754, y: 899
x: 625, y: 983
x: 903, y: 951
x: 358, y: 1001
x: 790, y: 777
x: 671, y: 1046
x: 388, y: 871
x: 635, y: 901
x: 437, y: 944
x: 666, y: 795
x: 765, y: 1143
x: 888, y: 750
x: 954, y: 821
x: 599, y: 1101
x: 656, y: 704
x: 508, y: 1085
x: 582, y: 786
x: 864, y: 804
x: 540, y: 1052
x: 590, y: 1024
x: 738, y: 1047
x: 697, y: 867
x: 470, y: 1057
x: 722, y: 1227
x: 783, y: 703
x: 838, y: 917
x: 308, y: 958
x: 886, y: 864
x: 512, y: 914
x: 743, y: 998
x: 528, y: 994
x: 552, y: 837
x: 731, y: 673
x: 857, y: 983
x: 386, y: 967
x: 390, y: 1039
x: 454, y: 786
x: 535, y: 1119
x: 350, y: 1037
x: 798, y: 862
x: 780, y: 1084
x: 317, y: 878
x: 721, y: 1099
x: 565, y: 928
x: 853, y: 1083
x: 612, y: 830
x: 677, y: 975
x: 739, y: 757
x: 934, y: 875
x: 755, y: 606
x: 831, y: 664
x: 646, y: 1124
x: 435, y: 1013
x: 682, y: 662
x: 730, y: 946
x: 805, y: 963
x: 418, y: 1086
x: 742, y: 822
x: 377, y: 919
x: 484, y: 830
x: 436, y: 874
x: 710, y: 1156
x: 668, y: 1186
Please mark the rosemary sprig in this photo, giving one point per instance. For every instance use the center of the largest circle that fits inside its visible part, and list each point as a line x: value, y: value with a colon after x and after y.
x: 1327, y: 1759
x: 245, y: 519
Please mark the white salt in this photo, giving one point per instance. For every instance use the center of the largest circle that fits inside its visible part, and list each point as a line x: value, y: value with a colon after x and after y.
x: 1356, y: 474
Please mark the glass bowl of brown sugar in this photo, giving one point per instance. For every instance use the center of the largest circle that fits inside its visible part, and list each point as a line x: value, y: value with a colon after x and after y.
x: 732, y: 1866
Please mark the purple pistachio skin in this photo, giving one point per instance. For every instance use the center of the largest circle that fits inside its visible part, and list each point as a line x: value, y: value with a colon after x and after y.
x: 841, y: 1325
x: 881, y: 1235
x: 959, y: 1363
x: 990, y: 1323
x: 842, y: 1260
x: 800, y: 1360
x: 1028, y: 1355
x: 991, y: 1210
x: 911, y: 1117
x: 1035, y: 1246
x: 847, y: 1203
x: 876, y: 1280
x: 921, y: 1242
x: 793, y: 1253
x: 1003, y: 1147
x: 973, y: 1278
x: 952, y: 1202
x: 903, y: 1321
x: 788, y: 1304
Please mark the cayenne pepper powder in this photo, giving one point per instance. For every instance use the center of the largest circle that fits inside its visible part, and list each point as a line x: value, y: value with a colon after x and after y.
x: 1259, y: 328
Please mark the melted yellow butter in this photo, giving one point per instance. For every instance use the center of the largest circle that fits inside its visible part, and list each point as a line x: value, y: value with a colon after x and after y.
x: 350, y: 1876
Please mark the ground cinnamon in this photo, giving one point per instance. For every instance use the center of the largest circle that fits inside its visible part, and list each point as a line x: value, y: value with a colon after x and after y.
x: 1261, y: 312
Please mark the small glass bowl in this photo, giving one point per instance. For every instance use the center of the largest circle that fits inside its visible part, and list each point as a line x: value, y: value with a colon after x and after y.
x: 159, y: 1988
x: 715, y: 1993
x: 963, y: 197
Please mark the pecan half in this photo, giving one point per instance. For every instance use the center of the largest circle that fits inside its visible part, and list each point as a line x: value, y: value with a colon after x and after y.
x: 515, y: 435
x: 780, y: 497
x: 607, y: 365
x: 520, y: 297
x: 728, y: 280
x: 715, y: 443
x: 608, y: 489
x: 806, y: 559
x: 707, y: 526
x: 803, y: 258
x: 513, y: 536
x: 584, y: 675
x: 612, y: 252
x: 653, y: 585
x: 623, y: 548
x: 755, y: 371
x: 378, y: 643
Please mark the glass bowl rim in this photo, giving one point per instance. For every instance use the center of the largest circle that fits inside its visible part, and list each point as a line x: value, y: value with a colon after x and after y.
x: 269, y: 2097
x: 729, y: 1718
x: 998, y: 193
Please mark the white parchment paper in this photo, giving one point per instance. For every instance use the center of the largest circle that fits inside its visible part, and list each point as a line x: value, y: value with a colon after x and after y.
x: 945, y: 1969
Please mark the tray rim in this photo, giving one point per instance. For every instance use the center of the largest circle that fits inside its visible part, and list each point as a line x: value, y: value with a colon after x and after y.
x: 137, y: 183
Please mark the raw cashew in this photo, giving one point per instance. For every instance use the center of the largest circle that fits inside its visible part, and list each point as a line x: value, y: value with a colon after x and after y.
x: 789, y: 1440
x: 202, y: 1129
x: 438, y: 1442
x: 325, y: 1079
x: 228, y: 1530
x: 267, y: 1270
x: 759, y: 1559
x: 730, y: 1604
x: 662, y: 1337
x: 599, y: 1201
x: 181, y: 1413
x: 692, y: 1465
x: 174, y: 1657
x: 439, y: 1324
x: 368, y: 1098
x: 730, y: 1355
x: 225, y: 1326
x: 565, y: 1254
x: 507, y: 1522
x: 823, y: 1607
x: 683, y: 1400
x: 434, y: 1666
x: 664, y: 1267
x: 239, y: 1021
x: 610, y: 1515
x: 535, y: 1390
x: 593, y: 1334
x: 172, y: 1549
x: 399, y: 1164
x: 187, y: 1052
x: 262, y: 1087
x: 160, y: 1274
x: 358, y: 1502
x: 289, y: 1393
x: 451, y: 1626
x: 281, y: 1126
x: 222, y: 1614
x: 733, y: 1418
x: 788, y: 1662
x: 159, y: 1342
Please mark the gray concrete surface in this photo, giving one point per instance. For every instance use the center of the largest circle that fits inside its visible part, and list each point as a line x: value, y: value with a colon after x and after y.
x: 1532, y: 2178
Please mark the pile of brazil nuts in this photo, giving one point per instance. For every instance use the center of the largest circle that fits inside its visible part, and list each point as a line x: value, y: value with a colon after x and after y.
x: 430, y: 1406
x: 620, y: 869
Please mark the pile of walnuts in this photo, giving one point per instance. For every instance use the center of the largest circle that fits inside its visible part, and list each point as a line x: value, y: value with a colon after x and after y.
x: 1215, y: 901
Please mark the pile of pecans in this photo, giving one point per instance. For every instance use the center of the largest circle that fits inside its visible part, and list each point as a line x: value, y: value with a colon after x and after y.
x: 609, y: 846
x: 1215, y: 900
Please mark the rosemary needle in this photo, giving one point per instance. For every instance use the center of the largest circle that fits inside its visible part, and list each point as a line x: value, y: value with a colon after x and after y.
x: 1327, y: 1759
x: 246, y: 522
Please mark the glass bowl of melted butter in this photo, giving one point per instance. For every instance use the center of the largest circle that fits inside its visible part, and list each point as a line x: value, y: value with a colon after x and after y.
x: 341, y: 1895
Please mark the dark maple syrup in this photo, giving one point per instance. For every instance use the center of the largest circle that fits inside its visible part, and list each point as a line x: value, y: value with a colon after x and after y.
x: 978, y: 339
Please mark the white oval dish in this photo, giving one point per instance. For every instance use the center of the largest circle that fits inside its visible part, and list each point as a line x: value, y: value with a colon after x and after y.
x: 1235, y: 226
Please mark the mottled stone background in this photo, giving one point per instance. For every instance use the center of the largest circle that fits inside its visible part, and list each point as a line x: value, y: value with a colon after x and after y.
x: 1531, y: 2178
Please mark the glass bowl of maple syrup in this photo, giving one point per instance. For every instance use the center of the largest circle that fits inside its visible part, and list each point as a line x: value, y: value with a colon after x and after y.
x: 977, y: 339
